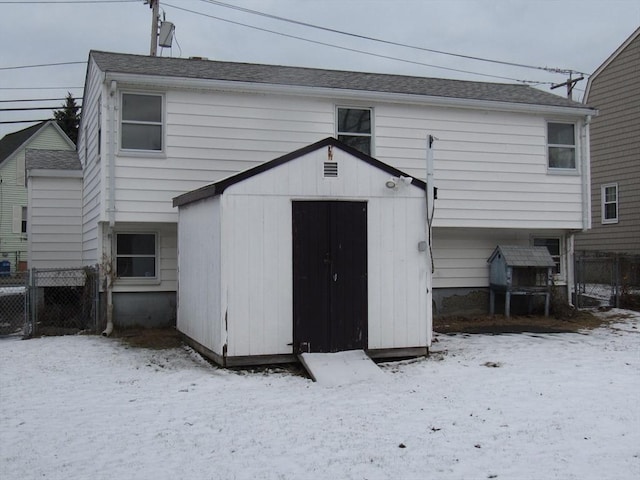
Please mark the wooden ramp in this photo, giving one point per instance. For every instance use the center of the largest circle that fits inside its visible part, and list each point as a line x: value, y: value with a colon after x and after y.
x: 341, y: 368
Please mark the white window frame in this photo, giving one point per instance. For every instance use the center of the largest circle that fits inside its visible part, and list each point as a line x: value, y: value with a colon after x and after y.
x: 560, y: 258
x: 573, y: 146
x: 156, y: 256
x: 356, y: 134
x: 604, y: 203
x: 161, y: 124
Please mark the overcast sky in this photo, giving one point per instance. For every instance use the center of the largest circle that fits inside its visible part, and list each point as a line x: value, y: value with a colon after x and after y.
x: 567, y: 34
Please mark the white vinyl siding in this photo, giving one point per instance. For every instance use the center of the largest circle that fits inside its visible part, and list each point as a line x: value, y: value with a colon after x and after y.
x: 490, y: 167
x: 93, y: 168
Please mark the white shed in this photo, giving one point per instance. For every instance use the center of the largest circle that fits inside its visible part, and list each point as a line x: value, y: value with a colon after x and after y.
x: 322, y: 250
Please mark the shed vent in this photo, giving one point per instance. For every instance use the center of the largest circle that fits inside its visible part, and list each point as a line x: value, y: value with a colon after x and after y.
x: 330, y: 169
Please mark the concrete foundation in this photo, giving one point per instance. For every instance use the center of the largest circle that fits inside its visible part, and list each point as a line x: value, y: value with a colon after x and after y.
x: 144, y: 309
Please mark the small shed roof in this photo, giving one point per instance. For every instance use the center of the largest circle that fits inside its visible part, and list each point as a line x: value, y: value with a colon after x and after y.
x: 52, y: 160
x: 521, y: 256
x: 220, y: 186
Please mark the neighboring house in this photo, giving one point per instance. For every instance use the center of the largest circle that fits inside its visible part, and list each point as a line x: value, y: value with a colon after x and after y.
x: 614, y: 89
x: 510, y: 162
x: 13, y: 191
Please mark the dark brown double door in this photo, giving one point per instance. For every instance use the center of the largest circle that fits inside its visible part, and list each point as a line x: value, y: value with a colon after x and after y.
x: 329, y: 276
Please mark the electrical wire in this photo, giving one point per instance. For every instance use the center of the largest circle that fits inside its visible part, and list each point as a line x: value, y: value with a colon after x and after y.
x: 42, y: 65
x: 388, y: 42
x: 364, y: 52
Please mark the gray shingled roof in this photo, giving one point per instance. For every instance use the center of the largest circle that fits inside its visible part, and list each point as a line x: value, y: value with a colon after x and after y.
x: 52, y: 159
x: 311, y: 77
x: 12, y: 141
x: 520, y: 256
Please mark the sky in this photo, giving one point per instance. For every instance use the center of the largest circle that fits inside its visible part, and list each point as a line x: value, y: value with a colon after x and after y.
x: 563, y: 34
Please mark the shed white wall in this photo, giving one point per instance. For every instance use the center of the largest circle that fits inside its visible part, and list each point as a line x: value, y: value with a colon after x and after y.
x: 256, y: 254
x: 200, y: 309
x: 55, y: 221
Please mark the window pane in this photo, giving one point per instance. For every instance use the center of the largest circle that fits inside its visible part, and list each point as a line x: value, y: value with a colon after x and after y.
x: 354, y: 120
x: 136, y: 267
x: 142, y: 108
x: 610, y: 211
x: 553, y: 245
x: 141, y: 137
x: 136, y: 244
x: 610, y: 194
x: 561, y: 134
x: 363, y: 144
x: 560, y: 157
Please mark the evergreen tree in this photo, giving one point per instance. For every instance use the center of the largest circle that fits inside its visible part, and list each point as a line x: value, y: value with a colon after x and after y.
x: 68, y: 118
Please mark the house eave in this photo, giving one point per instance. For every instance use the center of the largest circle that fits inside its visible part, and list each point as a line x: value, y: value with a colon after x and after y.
x: 151, y: 81
x: 45, y: 172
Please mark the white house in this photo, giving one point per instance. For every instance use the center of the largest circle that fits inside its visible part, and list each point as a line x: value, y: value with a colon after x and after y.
x: 511, y: 162
x: 324, y: 249
x: 13, y: 189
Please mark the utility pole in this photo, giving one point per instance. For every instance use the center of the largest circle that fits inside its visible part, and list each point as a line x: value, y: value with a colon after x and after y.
x: 569, y: 84
x: 154, y: 5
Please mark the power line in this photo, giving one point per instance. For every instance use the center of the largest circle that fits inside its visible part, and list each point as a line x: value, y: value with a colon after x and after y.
x: 25, y: 121
x: 24, y: 109
x: 54, y: 2
x: 41, y: 65
x: 389, y: 42
x: 37, y: 100
x: 364, y: 52
x: 41, y: 88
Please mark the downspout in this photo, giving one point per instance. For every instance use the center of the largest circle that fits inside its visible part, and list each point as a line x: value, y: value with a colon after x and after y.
x: 430, y: 197
x: 585, y: 166
x: 586, y: 173
x: 111, y: 153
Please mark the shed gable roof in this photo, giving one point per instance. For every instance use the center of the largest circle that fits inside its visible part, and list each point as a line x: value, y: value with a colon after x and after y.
x: 322, y: 78
x: 52, y: 160
x: 220, y: 186
x: 522, y: 256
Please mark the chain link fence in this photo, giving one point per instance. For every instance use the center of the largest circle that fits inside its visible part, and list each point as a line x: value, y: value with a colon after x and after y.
x: 604, y: 279
x: 13, y: 301
x: 61, y: 301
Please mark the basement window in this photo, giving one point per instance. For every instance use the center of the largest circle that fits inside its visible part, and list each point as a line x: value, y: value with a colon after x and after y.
x: 136, y: 255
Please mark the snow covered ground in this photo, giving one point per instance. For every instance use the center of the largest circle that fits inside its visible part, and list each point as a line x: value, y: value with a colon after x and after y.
x: 553, y: 406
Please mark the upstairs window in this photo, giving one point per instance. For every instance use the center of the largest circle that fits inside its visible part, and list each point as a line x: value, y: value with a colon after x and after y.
x: 561, y: 145
x: 354, y: 128
x: 136, y: 255
x: 141, y: 122
x: 610, y: 203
